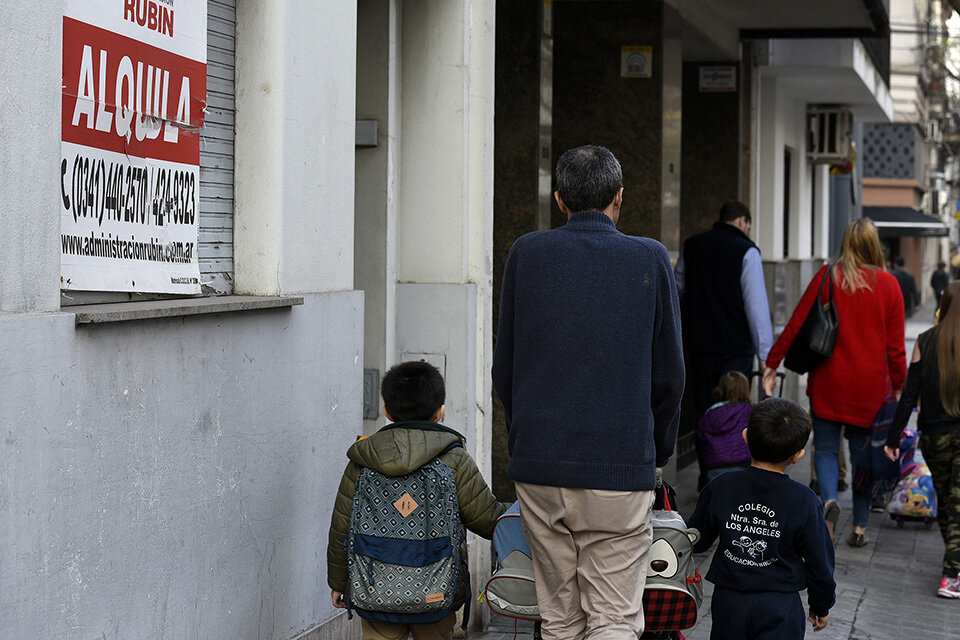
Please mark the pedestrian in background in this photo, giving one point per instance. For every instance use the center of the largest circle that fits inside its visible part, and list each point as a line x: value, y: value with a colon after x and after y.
x: 939, y: 280
x: 720, y: 430
x: 908, y: 287
x: 934, y: 381
x: 850, y: 387
x: 589, y: 367
x: 726, y: 317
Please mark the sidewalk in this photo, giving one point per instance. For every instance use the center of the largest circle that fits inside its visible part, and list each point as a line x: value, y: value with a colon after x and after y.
x: 885, y: 591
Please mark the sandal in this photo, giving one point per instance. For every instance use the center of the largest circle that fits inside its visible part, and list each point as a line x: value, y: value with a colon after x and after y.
x: 857, y: 540
x: 831, y: 511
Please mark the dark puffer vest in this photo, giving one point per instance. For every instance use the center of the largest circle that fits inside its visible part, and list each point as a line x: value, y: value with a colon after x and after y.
x: 714, y: 319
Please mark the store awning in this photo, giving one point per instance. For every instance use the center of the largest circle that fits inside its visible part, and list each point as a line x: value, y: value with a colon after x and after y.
x: 900, y: 222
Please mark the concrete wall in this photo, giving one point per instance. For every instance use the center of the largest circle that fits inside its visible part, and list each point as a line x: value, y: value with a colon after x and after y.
x: 30, y: 156
x: 710, y: 169
x: 296, y: 95
x: 444, y: 212
x: 377, y: 182
x: 782, y: 125
x: 174, y: 478
x: 594, y: 105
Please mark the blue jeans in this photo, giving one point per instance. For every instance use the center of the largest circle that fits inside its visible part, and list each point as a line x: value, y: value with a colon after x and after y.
x: 826, y: 444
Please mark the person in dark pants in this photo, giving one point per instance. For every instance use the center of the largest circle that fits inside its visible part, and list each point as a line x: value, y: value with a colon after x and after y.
x: 726, y: 317
x: 939, y: 281
x: 908, y: 287
x: 933, y: 383
x: 773, y: 540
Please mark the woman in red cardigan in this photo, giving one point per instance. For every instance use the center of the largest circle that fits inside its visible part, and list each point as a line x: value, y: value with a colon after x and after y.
x: 851, y: 386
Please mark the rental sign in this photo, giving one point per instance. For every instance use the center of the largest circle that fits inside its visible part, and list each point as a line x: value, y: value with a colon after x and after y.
x: 134, y: 93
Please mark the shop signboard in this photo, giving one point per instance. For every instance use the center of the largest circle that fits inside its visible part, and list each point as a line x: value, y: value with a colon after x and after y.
x: 718, y: 78
x: 134, y: 92
x: 636, y: 62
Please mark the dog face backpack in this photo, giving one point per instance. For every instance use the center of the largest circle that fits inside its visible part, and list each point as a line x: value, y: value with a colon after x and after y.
x: 673, y: 592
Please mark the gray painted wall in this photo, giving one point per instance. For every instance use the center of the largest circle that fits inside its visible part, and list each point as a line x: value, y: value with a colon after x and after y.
x: 30, y: 156
x: 174, y: 478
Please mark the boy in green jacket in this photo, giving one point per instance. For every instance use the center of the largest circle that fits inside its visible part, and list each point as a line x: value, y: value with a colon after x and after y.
x: 413, y: 396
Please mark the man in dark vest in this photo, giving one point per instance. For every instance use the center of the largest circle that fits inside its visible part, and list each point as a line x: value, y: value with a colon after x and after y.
x: 726, y: 318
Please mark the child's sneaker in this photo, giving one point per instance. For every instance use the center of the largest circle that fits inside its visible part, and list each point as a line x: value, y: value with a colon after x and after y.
x: 949, y: 587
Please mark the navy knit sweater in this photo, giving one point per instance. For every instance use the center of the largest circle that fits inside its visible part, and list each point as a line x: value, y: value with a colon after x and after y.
x: 588, y: 363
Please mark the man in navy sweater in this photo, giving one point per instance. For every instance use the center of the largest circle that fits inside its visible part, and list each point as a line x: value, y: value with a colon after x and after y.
x: 589, y: 368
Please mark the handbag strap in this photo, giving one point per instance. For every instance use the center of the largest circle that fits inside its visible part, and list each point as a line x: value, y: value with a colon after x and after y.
x: 828, y: 277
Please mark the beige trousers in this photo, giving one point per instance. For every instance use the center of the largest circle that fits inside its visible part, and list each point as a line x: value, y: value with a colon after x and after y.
x: 442, y: 630
x: 589, y: 558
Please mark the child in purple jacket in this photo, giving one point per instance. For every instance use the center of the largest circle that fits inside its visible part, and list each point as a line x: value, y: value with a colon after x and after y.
x: 720, y: 430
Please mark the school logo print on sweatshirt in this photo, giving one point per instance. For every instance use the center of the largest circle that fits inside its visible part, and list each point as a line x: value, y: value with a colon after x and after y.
x: 753, y: 548
x: 760, y: 522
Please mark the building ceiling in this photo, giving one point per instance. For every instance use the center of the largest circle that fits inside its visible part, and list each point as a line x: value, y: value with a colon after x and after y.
x: 763, y: 15
x: 712, y: 29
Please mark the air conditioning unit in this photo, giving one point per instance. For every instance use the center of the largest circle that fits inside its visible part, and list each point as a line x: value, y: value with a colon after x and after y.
x: 830, y: 135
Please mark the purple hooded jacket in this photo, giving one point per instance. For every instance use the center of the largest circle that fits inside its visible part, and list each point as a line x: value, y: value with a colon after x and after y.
x: 719, y: 432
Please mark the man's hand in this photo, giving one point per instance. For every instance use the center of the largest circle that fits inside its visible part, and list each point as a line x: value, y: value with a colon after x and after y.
x: 818, y: 623
x: 769, y: 380
x: 892, y: 454
x: 337, y: 598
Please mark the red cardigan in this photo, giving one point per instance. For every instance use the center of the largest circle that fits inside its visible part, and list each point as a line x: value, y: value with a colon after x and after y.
x: 851, y: 385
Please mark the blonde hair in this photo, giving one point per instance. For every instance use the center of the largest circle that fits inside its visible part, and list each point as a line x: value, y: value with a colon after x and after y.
x: 733, y: 387
x: 948, y: 349
x: 860, y: 252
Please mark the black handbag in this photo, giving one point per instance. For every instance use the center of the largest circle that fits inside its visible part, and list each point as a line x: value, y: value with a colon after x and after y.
x: 814, y: 342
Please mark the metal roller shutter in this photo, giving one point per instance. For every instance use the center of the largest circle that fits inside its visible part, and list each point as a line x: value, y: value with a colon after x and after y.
x: 216, y: 151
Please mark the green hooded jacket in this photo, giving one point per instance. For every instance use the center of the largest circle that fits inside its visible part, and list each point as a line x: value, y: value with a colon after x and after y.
x: 396, y: 450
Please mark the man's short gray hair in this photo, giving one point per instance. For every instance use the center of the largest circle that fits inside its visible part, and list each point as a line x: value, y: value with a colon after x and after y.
x: 588, y: 178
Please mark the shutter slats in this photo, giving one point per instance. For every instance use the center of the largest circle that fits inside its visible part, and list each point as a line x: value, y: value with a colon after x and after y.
x: 216, y: 151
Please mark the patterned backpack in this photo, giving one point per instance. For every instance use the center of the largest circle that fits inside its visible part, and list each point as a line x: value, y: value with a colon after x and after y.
x: 403, y: 546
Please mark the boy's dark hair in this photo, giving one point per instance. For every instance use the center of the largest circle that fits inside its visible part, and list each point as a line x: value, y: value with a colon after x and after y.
x: 777, y: 429
x: 412, y: 391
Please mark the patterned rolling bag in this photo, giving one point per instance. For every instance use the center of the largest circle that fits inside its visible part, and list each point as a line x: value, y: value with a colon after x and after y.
x: 913, y: 499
